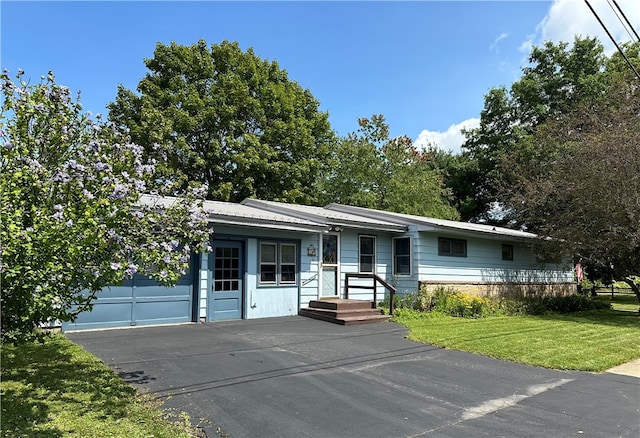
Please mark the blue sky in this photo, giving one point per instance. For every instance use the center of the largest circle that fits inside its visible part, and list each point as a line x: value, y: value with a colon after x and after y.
x: 425, y: 65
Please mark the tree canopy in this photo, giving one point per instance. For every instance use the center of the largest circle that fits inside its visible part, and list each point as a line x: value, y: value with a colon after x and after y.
x: 558, y: 77
x: 229, y: 119
x: 577, y: 180
x: 71, y: 222
x: 370, y: 169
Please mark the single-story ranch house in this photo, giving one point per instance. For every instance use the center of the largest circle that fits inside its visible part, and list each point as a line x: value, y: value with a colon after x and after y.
x: 272, y: 259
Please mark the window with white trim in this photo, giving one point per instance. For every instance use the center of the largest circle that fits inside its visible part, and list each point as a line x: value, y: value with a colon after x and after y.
x: 278, y: 263
x: 268, y: 264
x: 287, y: 263
x: 402, y: 256
x: 367, y: 254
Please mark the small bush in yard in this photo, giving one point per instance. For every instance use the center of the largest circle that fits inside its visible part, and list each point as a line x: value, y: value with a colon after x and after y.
x: 563, y: 304
x: 449, y: 301
x: 464, y: 305
x: 452, y: 302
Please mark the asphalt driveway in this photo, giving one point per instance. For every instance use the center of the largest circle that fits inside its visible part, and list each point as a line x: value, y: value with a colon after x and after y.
x: 298, y: 377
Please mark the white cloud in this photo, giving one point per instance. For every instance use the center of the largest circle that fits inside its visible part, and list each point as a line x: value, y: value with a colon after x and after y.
x: 451, y: 139
x: 564, y: 20
x: 494, y: 45
x: 568, y: 18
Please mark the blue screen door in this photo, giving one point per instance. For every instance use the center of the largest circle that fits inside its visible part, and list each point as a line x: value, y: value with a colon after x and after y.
x: 225, y: 294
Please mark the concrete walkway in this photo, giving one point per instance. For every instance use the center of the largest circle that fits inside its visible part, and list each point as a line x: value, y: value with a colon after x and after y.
x: 627, y: 369
x: 297, y: 377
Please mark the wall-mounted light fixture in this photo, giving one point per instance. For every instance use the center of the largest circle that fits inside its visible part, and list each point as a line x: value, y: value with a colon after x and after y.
x: 335, y: 228
x: 311, y: 250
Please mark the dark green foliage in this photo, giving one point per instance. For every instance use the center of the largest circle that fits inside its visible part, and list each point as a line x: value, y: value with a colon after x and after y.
x: 369, y: 169
x: 563, y: 304
x: 229, y: 119
x: 575, y: 180
x: 452, y: 302
x: 558, y: 77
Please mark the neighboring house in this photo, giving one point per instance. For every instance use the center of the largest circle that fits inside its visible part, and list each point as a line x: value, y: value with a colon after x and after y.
x: 271, y: 259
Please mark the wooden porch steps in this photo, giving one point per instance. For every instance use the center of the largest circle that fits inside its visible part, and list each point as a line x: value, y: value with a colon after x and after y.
x: 345, y: 312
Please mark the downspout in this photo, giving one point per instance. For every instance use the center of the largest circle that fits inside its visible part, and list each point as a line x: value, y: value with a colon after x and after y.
x: 320, y: 259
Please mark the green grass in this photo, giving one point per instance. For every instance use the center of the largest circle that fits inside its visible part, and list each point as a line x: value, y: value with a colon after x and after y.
x: 590, y: 341
x: 56, y: 389
x: 622, y: 301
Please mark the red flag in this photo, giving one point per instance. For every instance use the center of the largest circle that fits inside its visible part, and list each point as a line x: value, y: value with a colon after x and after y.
x: 579, y: 272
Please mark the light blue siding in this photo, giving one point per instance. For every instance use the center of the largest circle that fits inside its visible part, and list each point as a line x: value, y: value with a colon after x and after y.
x: 409, y: 283
x: 350, y: 262
x: 309, y: 265
x: 262, y: 301
x: 484, y: 263
x: 267, y: 301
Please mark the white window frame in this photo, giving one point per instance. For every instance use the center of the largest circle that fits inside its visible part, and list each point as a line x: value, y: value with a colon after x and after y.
x: 372, y: 255
x: 282, y: 263
x: 278, y: 263
x: 395, y: 264
x: 261, y: 263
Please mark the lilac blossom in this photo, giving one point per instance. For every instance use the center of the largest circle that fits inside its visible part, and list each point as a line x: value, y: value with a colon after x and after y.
x: 87, y: 194
x: 62, y: 177
x: 120, y: 191
x: 131, y: 270
x: 106, y: 224
x: 113, y: 235
x: 140, y: 185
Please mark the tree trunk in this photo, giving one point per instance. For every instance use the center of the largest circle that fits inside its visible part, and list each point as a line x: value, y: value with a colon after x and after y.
x: 635, y: 288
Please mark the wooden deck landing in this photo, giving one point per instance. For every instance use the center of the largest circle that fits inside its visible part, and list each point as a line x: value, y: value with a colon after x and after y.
x: 344, y: 312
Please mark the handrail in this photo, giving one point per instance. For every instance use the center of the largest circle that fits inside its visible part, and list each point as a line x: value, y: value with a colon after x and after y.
x: 376, y: 279
x: 309, y: 280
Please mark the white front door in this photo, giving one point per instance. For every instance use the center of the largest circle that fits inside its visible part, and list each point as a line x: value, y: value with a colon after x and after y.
x: 330, y: 265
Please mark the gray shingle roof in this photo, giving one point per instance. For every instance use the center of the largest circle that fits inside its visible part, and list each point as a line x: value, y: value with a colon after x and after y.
x: 327, y: 216
x: 238, y: 214
x: 280, y: 215
x: 431, y: 224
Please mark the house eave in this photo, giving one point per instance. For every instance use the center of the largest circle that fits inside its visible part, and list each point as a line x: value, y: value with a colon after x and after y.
x: 273, y: 225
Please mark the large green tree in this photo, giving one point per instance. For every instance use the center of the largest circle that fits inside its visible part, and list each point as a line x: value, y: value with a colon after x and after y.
x: 577, y: 181
x: 227, y: 118
x: 558, y: 77
x: 72, y: 220
x: 370, y: 169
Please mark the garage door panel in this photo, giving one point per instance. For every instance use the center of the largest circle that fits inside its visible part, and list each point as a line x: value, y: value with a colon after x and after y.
x: 139, y: 301
x: 115, y: 292
x: 116, y: 314
x: 152, y: 311
x: 180, y: 290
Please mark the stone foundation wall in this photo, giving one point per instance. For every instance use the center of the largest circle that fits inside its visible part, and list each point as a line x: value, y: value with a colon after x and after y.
x: 507, y: 290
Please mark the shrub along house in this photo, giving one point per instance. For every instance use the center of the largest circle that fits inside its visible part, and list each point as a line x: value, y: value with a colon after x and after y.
x: 274, y: 259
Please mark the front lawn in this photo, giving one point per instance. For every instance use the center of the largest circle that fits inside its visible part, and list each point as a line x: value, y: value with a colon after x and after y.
x: 56, y: 389
x: 592, y: 341
x: 621, y: 301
